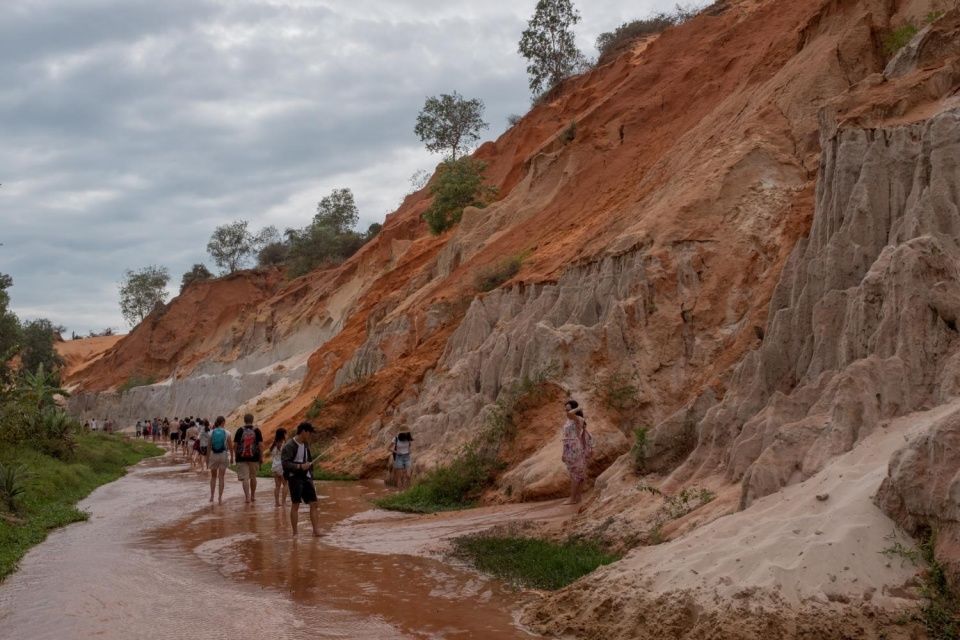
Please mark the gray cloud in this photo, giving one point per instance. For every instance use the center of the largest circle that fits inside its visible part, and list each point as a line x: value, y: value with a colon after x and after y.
x: 131, y: 128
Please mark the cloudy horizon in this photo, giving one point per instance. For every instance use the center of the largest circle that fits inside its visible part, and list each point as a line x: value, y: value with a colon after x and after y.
x: 132, y: 128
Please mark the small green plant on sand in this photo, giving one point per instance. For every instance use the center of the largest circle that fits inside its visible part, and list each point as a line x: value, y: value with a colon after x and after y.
x: 940, y: 613
x: 531, y: 562
x: 674, y: 506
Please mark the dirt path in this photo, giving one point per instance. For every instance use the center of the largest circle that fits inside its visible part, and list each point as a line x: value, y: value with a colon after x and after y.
x: 155, y: 561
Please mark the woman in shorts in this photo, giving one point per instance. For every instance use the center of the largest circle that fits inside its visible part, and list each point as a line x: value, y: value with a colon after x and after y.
x: 401, y: 450
x: 219, y: 456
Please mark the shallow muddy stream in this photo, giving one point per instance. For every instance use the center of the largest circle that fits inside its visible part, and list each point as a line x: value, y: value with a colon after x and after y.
x: 155, y: 561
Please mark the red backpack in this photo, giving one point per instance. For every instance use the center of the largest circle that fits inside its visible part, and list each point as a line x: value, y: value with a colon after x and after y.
x: 248, y: 444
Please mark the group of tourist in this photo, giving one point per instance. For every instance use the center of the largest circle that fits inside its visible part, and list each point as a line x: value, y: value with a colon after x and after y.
x: 104, y: 424
x: 214, y: 449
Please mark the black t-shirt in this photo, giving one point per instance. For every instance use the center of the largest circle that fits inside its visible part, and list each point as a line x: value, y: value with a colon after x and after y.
x: 238, y: 446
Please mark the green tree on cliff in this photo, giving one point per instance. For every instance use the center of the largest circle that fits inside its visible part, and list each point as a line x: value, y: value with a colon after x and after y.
x: 548, y: 43
x: 198, y: 273
x: 450, y: 123
x: 142, y: 291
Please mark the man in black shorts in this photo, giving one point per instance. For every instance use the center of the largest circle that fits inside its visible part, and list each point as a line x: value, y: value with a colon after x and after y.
x: 297, y: 469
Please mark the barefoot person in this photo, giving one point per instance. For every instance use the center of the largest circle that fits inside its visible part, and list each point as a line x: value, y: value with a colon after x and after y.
x: 219, y: 456
x: 276, y: 467
x: 577, y: 448
x: 401, y: 450
x: 297, y: 467
x: 247, y: 444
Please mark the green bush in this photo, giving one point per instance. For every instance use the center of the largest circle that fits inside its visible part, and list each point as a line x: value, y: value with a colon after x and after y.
x: 530, y: 562
x: 898, y: 39
x: 458, y: 184
x: 611, y: 43
x: 492, y: 277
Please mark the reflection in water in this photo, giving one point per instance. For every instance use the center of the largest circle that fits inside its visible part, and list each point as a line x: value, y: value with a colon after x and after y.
x: 155, y: 562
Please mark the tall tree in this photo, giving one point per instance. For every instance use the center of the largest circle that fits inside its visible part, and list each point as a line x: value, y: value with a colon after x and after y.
x: 141, y: 291
x: 9, y: 326
x: 549, y: 45
x: 230, y: 246
x: 337, y: 211
x: 450, y: 123
x: 37, y: 349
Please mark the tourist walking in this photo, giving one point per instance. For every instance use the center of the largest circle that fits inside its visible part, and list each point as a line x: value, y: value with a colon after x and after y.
x: 577, y: 448
x: 219, y: 456
x: 247, y: 443
x: 276, y: 467
x: 204, y: 441
x: 401, y: 449
x: 297, y: 468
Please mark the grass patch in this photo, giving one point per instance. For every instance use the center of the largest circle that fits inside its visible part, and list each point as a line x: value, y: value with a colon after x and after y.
x: 136, y: 380
x: 898, y: 39
x: 52, y: 487
x: 530, y: 562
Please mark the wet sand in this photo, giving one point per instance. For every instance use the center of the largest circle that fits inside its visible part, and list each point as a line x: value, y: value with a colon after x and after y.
x: 155, y: 560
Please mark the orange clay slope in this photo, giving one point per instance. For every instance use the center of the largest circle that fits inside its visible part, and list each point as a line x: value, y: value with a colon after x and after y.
x: 77, y: 354
x: 692, y: 159
x: 685, y: 166
x: 653, y: 202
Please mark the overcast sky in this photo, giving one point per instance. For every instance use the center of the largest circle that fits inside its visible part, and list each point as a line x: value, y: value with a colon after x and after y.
x: 129, y: 129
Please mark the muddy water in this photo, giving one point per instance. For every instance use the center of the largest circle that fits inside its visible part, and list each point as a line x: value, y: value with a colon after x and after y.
x: 155, y: 561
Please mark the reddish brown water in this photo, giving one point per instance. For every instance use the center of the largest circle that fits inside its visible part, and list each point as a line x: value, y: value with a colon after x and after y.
x: 154, y: 561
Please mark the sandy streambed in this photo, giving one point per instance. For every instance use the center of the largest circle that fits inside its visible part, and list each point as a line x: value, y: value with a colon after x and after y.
x: 156, y: 561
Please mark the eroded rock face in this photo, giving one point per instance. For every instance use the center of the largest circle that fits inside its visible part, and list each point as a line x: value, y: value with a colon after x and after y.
x: 862, y: 325
x: 922, y: 490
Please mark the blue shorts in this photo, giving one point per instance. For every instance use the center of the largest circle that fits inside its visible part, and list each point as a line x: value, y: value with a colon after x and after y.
x: 401, y: 461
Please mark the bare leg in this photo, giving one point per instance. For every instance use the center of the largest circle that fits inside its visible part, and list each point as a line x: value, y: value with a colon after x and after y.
x: 253, y: 488
x: 283, y: 492
x: 246, y: 490
x: 294, y: 517
x: 277, y: 483
x: 315, y: 518
x: 222, y: 473
x: 213, y: 483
